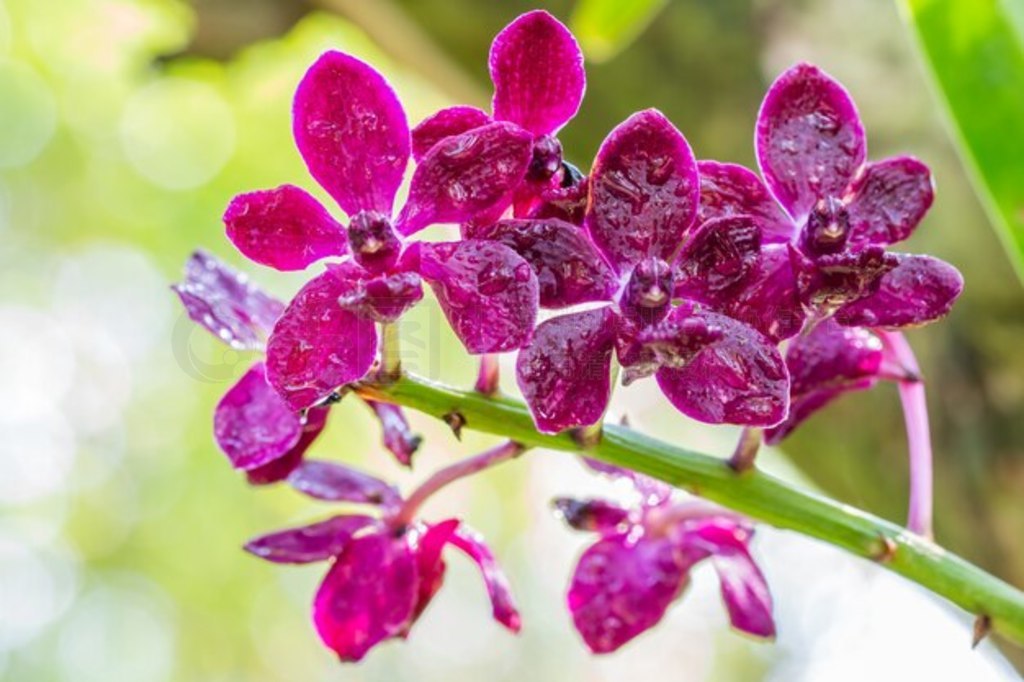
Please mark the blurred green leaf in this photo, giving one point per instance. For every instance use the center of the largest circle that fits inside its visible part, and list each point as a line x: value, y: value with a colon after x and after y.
x: 975, y: 51
x: 606, y: 27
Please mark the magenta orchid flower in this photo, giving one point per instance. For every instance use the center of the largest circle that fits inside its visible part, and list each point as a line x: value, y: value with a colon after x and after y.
x: 385, y: 569
x: 834, y: 212
x: 352, y: 133
x: 625, y: 582
x: 537, y: 69
x: 643, y: 202
x: 253, y: 425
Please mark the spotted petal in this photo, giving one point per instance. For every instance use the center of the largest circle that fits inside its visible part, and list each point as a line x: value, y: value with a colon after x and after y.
x: 252, y: 424
x: 317, y: 345
x: 569, y: 268
x: 467, y: 174
x: 810, y: 141
x: 644, y: 191
x: 284, y: 228
x: 334, y: 482
x: 488, y: 293
x: 315, y: 542
x: 920, y: 290
x: 564, y: 373
x: 537, y: 69
x: 368, y: 596
x: 622, y: 587
x: 890, y: 198
x: 728, y: 189
x: 740, y: 379
x: 725, y: 266
x: 445, y: 123
x: 226, y: 303
x: 823, y: 365
x: 352, y: 133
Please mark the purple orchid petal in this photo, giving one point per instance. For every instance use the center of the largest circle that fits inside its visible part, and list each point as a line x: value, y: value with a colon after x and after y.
x: 744, y: 589
x: 317, y: 345
x: 368, y: 596
x: 502, y: 604
x: 334, y: 482
x: 565, y: 372
x: 824, y: 364
x: 728, y: 189
x: 890, y: 198
x: 467, y: 174
x: 382, y: 299
x: 810, y: 141
x: 644, y: 191
x: 725, y: 266
x: 226, y: 303
x: 487, y: 291
x: 537, y: 69
x: 740, y: 379
x: 568, y: 203
x: 921, y: 289
x: 673, y: 342
x: 827, y: 282
x: 445, y: 123
x: 351, y: 131
x: 429, y: 562
x: 284, y: 228
x: 252, y: 424
x: 398, y: 437
x: 307, y: 544
x: 569, y: 268
x: 313, y: 423
x: 622, y: 587
x: 595, y: 515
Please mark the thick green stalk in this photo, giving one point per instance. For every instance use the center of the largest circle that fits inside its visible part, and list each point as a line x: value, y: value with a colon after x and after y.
x: 756, y: 494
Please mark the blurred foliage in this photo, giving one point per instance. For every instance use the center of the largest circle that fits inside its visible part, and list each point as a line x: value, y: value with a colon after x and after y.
x: 606, y: 27
x: 127, y: 125
x: 975, y: 51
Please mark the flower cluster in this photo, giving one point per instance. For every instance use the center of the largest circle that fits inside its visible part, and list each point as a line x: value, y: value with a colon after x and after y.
x: 749, y: 302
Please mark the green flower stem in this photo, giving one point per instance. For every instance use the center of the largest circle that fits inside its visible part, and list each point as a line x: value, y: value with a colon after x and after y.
x: 753, y: 493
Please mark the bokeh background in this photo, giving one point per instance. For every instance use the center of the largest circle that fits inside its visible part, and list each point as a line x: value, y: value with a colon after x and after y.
x: 126, y: 126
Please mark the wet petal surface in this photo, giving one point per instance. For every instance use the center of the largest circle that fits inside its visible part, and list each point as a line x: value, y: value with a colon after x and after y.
x: 317, y: 345
x: 728, y: 189
x: 921, y: 289
x: 564, y: 373
x: 382, y: 299
x: 315, y: 542
x: 644, y: 191
x: 488, y: 292
x: 352, y: 133
x: 398, y: 437
x: 810, y: 141
x: 568, y: 266
x: 621, y: 588
x: 226, y: 303
x: 284, y: 228
x: 313, y: 423
x: 740, y: 379
x: 252, y: 424
x: 368, y: 596
x: 890, y: 198
x: 445, y: 123
x: 537, y: 69
x: 467, y: 174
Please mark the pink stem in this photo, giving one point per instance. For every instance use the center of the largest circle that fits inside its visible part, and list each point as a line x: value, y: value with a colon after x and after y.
x: 915, y: 415
x: 487, y: 379
x: 449, y: 474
